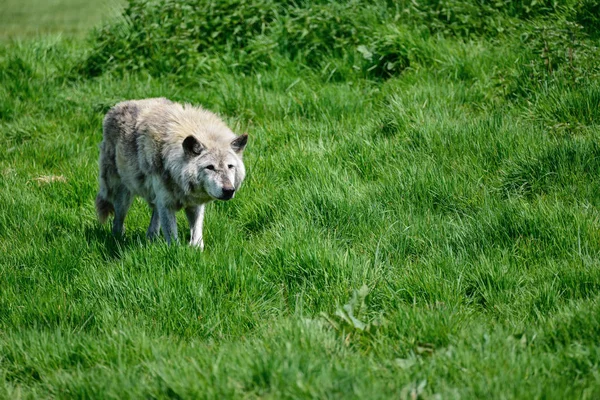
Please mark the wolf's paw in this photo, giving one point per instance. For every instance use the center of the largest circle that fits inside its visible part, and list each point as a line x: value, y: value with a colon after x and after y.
x: 198, y: 244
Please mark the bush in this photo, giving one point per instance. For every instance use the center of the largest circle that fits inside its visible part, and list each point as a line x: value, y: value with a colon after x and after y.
x: 169, y: 36
x: 553, y: 52
x: 173, y: 36
x: 186, y: 37
x: 475, y: 17
x: 313, y: 33
x: 388, y: 54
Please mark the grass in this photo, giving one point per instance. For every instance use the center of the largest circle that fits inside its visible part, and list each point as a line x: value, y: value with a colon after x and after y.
x: 30, y: 18
x: 434, y: 234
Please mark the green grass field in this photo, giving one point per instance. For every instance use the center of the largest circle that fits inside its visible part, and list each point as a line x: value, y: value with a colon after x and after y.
x: 30, y: 18
x: 420, y: 217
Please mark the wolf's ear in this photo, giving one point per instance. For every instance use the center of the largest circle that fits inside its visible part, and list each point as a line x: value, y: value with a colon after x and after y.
x: 192, y: 146
x: 239, y: 143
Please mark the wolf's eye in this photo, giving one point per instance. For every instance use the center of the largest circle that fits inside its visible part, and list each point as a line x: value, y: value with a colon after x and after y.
x: 230, y: 166
x: 210, y: 167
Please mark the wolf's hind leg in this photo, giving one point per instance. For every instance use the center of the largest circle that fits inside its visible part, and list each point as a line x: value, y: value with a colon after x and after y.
x: 154, y: 228
x: 123, y: 199
x: 195, y: 216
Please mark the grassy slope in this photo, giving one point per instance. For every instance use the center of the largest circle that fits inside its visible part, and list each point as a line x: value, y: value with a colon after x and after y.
x: 473, y: 221
x: 20, y: 18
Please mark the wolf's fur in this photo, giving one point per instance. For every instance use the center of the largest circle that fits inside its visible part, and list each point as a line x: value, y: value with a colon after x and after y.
x: 174, y: 156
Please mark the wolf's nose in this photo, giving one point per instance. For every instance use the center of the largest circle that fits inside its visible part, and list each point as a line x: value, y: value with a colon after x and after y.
x: 227, y: 193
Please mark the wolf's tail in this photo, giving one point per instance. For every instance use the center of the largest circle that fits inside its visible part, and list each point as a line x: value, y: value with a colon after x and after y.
x: 103, y: 208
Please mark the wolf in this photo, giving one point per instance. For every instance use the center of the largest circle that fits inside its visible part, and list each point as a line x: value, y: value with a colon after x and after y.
x: 174, y: 156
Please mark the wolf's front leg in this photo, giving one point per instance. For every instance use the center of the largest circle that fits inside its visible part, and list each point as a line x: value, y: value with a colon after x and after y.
x: 195, y: 216
x: 154, y: 228
x: 168, y: 223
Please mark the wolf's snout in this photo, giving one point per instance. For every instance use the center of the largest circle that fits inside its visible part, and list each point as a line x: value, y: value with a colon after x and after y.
x: 227, y: 193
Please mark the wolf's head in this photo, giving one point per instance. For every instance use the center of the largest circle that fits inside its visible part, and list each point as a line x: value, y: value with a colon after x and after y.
x: 217, y: 170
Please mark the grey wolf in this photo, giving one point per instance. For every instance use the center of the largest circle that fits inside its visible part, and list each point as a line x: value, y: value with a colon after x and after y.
x: 174, y: 156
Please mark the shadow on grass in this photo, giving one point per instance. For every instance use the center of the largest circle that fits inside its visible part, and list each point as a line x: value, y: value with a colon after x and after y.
x: 111, y: 247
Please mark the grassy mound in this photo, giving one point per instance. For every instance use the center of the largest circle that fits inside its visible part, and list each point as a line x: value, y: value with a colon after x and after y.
x: 373, y: 37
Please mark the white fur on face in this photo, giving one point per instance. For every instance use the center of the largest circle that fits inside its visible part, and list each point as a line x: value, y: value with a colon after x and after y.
x: 217, y: 171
